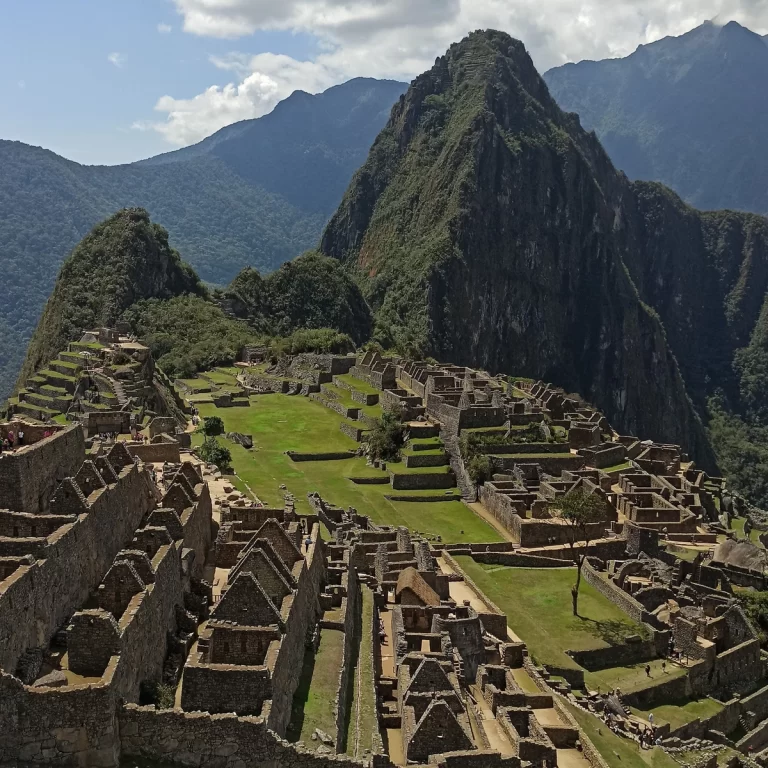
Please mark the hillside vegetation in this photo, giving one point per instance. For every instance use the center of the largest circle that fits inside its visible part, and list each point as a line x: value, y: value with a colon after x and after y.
x: 256, y: 193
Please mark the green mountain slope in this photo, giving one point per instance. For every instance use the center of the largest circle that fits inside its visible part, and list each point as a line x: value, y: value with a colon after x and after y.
x: 256, y: 193
x: 123, y: 260
x: 489, y: 228
x: 688, y: 111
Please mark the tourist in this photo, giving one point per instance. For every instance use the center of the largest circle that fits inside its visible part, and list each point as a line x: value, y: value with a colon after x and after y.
x: 647, y: 670
x: 664, y: 667
x: 307, y: 542
x: 11, y: 438
x: 20, y: 436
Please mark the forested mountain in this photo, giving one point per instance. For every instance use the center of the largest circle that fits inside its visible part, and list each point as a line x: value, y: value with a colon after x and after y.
x: 487, y: 227
x: 256, y: 193
x: 125, y: 270
x: 688, y: 111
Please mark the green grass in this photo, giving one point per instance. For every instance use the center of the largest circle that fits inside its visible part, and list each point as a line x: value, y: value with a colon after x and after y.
x: 433, y: 441
x: 280, y: 423
x: 362, y: 718
x: 679, y: 713
x: 220, y: 376
x: 737, y: 524
x: 618, y: 467
x: 616, y: 750
x: 683, y: 553
x: 61, y: 419
x: 632, y: 677
x: 344, y: 397
x: 358, y: 384
x: 317, y: 689
x: 537, y: 602
x: 54, y: 375
x: 399, y: 468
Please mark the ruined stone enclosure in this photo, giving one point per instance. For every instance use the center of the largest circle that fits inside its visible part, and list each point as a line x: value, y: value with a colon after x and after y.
x: 149, y: 611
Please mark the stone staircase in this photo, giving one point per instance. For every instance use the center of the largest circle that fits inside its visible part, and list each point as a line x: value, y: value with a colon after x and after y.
x: 466, y: 486
x: 119, y: 390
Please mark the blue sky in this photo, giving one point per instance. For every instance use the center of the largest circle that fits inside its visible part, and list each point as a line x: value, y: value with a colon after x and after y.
x: 112, y: 81
x: 59, y: 90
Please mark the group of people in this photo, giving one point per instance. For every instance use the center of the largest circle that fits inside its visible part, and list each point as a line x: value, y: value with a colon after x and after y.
x: 12, y: 440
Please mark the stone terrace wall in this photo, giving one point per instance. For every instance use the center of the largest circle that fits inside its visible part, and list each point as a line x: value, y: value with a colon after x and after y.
x: 303, y: 614
x: 226, y: 741
x: 352, y: 625
x: 35, y: 605
x: 615, y: 594
x: 30, y: 475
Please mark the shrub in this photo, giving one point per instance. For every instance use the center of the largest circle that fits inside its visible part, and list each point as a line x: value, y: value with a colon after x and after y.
x: 213, y: 452
x: 480, y: 469
x: 212, y: 425
x: 387, y: 437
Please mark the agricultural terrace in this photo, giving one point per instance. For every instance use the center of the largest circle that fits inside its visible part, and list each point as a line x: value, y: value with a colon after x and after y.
x: 280, y: 423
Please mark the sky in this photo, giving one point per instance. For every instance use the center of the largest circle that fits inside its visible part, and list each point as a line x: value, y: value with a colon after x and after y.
x: 113, y: 81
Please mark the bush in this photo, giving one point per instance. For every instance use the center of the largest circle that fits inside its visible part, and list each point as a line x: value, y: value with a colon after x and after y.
x: 480, y: 469
x: 387, y: 437
x: 213, y: 452
x: 212, y: 425
x: 755, y: 605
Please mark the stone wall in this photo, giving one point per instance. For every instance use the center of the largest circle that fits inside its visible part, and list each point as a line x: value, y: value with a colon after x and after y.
x: 614, y: 593
x: 30, y: 475
x: 331, y: 456
x: 108, y: 421
x: 352, y: 630
x: 35, y: 605
x: 85, y: 731
x: 228, y: 741
x: 156, y: 453
x: 422, y: 482
x: 303, y: 614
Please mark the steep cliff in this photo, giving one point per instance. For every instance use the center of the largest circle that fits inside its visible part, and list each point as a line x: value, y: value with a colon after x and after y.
x: 489, y: 228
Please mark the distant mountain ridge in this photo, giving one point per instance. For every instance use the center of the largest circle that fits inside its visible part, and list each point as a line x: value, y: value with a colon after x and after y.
x: 688, y: 111
x: 255, y: 193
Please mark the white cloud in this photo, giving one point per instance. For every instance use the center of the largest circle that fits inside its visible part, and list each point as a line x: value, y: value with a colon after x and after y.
x: 22, y: 84
x: 164, y: 29
x: 401, y: 38
x: 118, y: 59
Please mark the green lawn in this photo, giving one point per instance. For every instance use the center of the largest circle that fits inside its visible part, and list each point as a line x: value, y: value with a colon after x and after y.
x: 280, y: 423
x: 537, y: 602
x: 679, y: 713
x: 358, y: 384
x: 616, y: 750
x: 362, y: 717
x: 317, y: 689
x: 632, y: 678
x: 344, y: 396
x: 737, y: 524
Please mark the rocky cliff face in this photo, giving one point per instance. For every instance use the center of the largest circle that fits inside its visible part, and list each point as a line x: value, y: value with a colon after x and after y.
x: 487, y: 227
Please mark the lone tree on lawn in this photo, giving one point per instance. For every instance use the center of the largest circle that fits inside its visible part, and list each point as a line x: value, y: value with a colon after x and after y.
x: 579, y: 509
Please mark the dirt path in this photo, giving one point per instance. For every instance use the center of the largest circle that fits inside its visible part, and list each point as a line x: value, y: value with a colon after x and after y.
x: 387, y: 649
x: 496, y: 737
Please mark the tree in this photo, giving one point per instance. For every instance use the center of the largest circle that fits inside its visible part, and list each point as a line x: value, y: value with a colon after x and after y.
x: 212, y: 425
x: 213, y: 452
x: 387, y: 437
x: 480, y: 469
x: 579, y: 509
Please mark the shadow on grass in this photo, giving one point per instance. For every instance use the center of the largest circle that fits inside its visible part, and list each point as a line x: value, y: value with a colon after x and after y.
x: 613, y: 632
x: 301, y: 696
